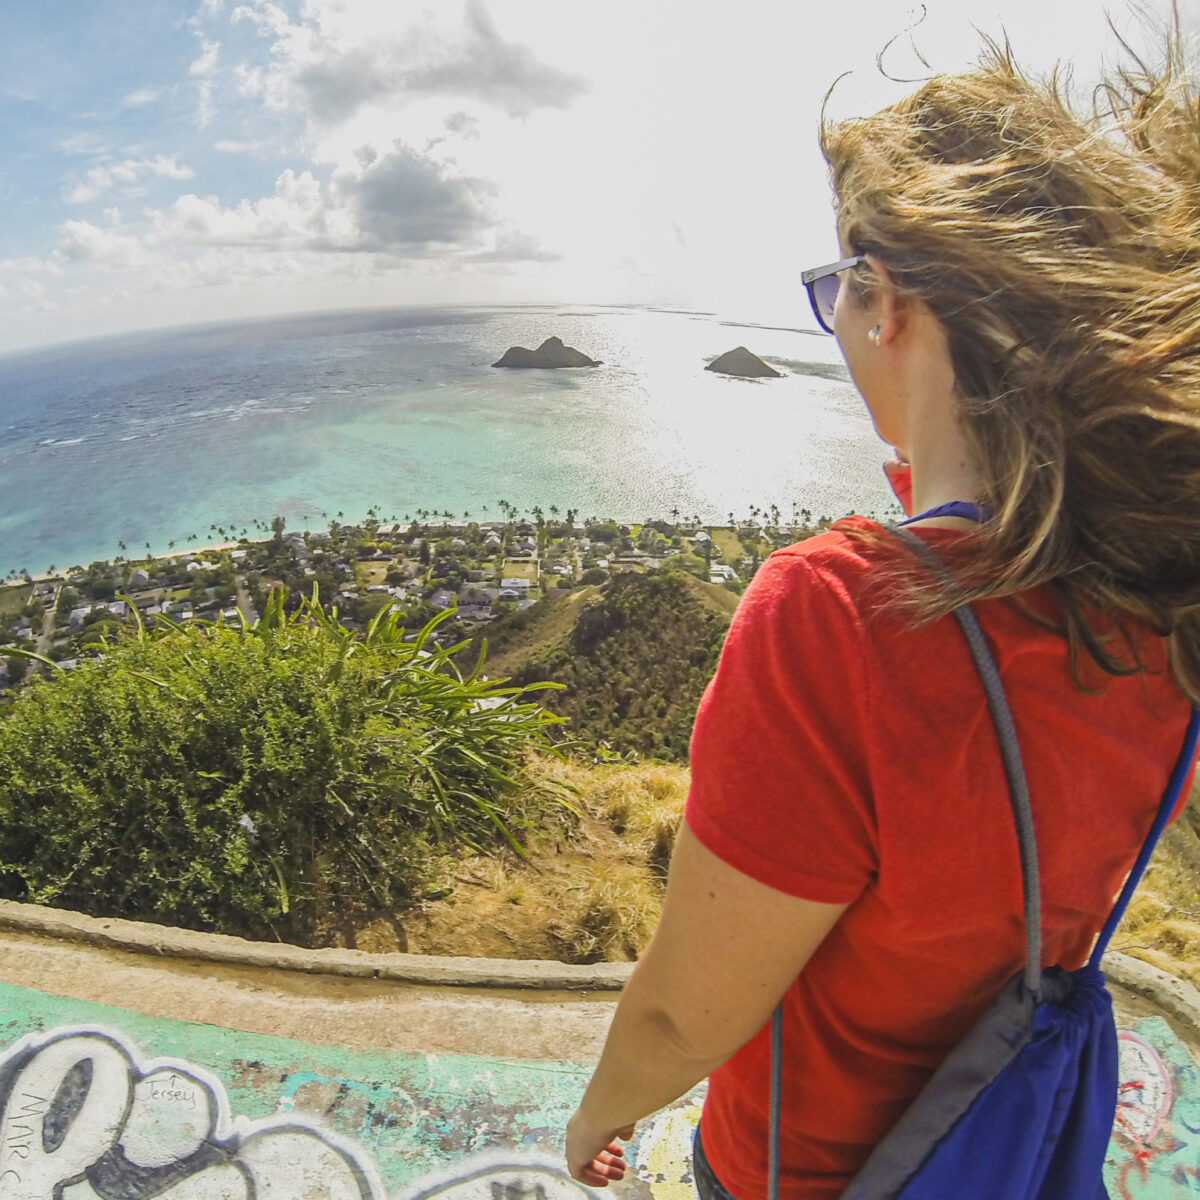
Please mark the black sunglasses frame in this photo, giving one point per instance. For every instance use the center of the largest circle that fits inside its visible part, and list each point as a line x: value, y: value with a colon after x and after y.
x: 811, y: 277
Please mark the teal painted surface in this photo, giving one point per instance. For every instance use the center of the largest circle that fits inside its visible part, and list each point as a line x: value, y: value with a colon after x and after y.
x: 118, y: 1106
x: 1155, y: 1149
x: 411, y: 1113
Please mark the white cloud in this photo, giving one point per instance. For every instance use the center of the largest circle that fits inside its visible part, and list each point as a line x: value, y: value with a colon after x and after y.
x: 405, y: 201
x: 344, y: 55
x: 83, y: 143
x: 512, y: 247
x: 206, y: 64
x: 28, y: 265
x: 203, y: 69
x: 294, y: 217
x: 141, y: 97
x: 231, y: 146
x: 399, y: 202
x: 81, y: 241
x: 105, y: 176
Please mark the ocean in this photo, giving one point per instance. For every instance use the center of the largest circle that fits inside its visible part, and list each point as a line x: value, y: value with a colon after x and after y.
x: 146, y: 439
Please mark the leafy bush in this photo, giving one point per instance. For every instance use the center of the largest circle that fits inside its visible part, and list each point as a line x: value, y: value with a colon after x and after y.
x: 253, y: 780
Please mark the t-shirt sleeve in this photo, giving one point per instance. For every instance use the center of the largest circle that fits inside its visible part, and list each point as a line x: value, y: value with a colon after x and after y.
x: 780, y: 784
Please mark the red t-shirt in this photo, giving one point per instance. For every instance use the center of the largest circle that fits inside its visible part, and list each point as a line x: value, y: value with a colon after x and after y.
x: 841, y: 756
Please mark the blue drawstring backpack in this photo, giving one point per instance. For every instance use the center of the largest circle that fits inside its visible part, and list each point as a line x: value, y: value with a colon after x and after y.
x: 1023, y: 1107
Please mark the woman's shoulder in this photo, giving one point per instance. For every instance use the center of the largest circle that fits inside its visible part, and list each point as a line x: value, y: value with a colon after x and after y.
x: 842, y: 557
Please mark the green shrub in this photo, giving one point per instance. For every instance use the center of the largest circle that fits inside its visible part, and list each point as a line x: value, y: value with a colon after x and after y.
x: 255, y: 780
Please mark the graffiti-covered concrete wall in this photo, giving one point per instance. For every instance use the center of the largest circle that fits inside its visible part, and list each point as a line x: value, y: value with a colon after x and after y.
x: 1155, y: 1149
x: 100, y: 1103
x: 97, y: 1103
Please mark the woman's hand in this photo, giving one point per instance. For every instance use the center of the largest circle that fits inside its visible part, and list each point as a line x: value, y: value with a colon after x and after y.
x: 593, y: 1157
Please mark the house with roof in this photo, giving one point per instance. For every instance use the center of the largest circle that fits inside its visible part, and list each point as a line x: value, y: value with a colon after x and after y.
x: 75, y: 618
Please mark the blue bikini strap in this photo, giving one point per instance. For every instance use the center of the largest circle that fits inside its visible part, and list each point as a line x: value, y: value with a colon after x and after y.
x: 953, y: 508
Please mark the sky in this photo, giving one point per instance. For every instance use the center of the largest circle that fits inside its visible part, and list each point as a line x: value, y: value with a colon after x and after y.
x: 164, y: 163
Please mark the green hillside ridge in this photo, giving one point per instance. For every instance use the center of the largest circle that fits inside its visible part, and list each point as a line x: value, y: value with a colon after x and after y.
x: 633, y: 656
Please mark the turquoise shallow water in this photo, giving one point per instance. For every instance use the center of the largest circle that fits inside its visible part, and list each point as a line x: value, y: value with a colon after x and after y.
x: 147, y: 439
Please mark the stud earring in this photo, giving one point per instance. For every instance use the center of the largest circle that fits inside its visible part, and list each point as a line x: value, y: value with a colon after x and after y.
x: 873, y: 336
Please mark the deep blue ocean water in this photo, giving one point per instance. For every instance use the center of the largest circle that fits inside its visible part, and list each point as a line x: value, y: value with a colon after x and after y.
x: 148, y: 438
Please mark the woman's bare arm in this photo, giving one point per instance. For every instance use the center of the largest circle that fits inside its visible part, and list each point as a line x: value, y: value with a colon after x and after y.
x: 725, y: 951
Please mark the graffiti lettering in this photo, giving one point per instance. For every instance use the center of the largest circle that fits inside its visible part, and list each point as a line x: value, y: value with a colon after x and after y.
x: 1151, y: 1155
x: 80, y: 1111
x: 83, y: 1116
x: 1144, y: 1095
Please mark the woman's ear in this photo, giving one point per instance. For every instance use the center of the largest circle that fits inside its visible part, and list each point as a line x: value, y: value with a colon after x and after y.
x: 891, y: 307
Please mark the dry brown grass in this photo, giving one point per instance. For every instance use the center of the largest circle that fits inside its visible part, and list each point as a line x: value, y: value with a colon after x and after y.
x: 591, y: 887
x: 520, y: 568
x: 1162, y: 923
x: 367, y: 574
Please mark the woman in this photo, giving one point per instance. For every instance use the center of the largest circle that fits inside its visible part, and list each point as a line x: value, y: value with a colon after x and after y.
x: 1020, y: 310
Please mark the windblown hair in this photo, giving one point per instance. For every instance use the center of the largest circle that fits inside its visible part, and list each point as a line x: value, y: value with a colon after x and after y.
x: 1061, y: 254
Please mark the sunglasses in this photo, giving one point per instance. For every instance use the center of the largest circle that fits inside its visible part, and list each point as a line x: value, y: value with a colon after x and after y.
x: 822, y: 284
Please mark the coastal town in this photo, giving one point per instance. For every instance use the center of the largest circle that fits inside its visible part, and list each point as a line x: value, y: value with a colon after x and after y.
x: 481, y: 570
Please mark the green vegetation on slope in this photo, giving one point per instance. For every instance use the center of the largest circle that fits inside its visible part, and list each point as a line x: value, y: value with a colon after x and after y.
x: 252, y: 781
x: 633, y: 657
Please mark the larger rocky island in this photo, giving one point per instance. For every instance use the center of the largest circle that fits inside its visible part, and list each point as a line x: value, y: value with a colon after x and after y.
x: 743, y: 363
x: 551, y: 353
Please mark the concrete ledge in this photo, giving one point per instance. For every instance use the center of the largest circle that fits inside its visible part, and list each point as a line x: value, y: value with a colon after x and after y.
x: 1176, y: 997
x: 167, y: 942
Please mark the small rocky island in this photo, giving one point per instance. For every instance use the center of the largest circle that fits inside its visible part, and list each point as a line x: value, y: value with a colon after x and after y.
x: 742, y: 362
x: 551, y: 353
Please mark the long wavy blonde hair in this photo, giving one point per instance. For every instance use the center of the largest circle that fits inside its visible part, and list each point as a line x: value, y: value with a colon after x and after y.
x: 1061, y: 253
